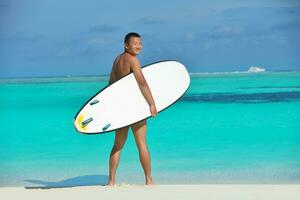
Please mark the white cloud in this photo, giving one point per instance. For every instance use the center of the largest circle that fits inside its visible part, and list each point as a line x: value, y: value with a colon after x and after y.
x: 95, y: 41
x: 226, y: 31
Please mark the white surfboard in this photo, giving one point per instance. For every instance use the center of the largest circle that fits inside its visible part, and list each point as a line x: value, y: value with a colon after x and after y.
x: 122, y: 103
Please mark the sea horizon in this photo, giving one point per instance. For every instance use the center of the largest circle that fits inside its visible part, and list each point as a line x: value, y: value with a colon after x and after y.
x: 100, y: 77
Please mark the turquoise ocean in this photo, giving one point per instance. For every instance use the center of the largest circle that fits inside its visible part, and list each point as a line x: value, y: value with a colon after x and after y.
x: 227, y: 128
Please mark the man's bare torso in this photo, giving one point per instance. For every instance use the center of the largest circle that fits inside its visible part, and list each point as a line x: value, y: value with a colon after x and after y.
x: 121, y: 68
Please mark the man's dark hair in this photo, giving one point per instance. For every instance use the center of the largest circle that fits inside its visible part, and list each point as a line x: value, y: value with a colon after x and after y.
x: 129, y: 35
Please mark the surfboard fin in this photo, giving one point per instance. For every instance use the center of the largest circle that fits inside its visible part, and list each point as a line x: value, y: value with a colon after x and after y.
x: 94, y: 102
x: 106, y: 127
x: 86, y: 122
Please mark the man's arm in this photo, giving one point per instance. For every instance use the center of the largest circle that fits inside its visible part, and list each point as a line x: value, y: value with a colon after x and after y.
x: 135, y: 66
x: 111, y: 78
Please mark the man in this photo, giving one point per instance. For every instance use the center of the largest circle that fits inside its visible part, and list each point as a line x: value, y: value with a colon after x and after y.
x: 124, y: 64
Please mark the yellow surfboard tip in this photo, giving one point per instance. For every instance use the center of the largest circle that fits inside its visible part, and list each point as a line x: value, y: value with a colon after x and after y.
x: 79, y: 126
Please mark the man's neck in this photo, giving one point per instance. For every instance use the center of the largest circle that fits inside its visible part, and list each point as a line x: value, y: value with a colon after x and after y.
x: 126, y: 52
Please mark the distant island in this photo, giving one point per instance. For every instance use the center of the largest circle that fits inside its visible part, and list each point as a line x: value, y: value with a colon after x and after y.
x: 256, y: 69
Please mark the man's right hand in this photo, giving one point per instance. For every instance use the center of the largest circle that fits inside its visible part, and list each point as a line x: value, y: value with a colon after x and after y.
x: 153, y: 110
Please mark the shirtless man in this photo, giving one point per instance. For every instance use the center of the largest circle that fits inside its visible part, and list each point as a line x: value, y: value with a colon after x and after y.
x: 124, y: 64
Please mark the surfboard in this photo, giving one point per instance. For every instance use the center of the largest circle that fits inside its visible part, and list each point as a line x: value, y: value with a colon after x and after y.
x: 122, y: 103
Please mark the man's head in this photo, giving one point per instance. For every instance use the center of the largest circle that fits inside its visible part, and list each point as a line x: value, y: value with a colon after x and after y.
x: 133, y: 43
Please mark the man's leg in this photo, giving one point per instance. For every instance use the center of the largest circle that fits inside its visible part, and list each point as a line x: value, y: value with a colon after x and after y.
x: 120, y: 139
x: 139, y: 132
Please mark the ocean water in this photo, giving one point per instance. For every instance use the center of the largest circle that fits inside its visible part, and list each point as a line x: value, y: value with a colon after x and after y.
x: 227, y: 128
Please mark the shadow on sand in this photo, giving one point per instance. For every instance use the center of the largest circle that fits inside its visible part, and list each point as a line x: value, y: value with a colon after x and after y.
x: 87, y: 180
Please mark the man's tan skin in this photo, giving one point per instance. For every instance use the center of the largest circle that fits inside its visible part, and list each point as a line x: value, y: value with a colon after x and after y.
x: 124, y: 64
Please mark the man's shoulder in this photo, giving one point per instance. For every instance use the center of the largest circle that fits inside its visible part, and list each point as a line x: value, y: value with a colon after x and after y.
x: 132, y: 60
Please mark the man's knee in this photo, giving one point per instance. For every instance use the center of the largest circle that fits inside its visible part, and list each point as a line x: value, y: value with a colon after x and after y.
x: 118, y: 147
x: 141, y: 145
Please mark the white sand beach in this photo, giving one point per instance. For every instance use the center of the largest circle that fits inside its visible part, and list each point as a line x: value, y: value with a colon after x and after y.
x: 174, y: 192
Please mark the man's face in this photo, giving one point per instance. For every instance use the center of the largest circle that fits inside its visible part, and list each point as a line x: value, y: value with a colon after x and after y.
x: 134, y: 46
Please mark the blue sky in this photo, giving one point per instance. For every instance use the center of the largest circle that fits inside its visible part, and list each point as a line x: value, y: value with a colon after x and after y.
x: 64, y: 37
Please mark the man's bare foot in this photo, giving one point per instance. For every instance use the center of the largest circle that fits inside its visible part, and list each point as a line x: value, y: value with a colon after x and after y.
x: 149, y: 181
x: 111, y: 183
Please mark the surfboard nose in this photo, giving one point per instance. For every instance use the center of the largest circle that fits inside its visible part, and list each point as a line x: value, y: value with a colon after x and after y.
x: 86, y: 122
x: 81, y: 125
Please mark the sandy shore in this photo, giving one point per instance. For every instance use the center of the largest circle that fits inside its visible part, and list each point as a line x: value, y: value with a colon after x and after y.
x: 184, y: 192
